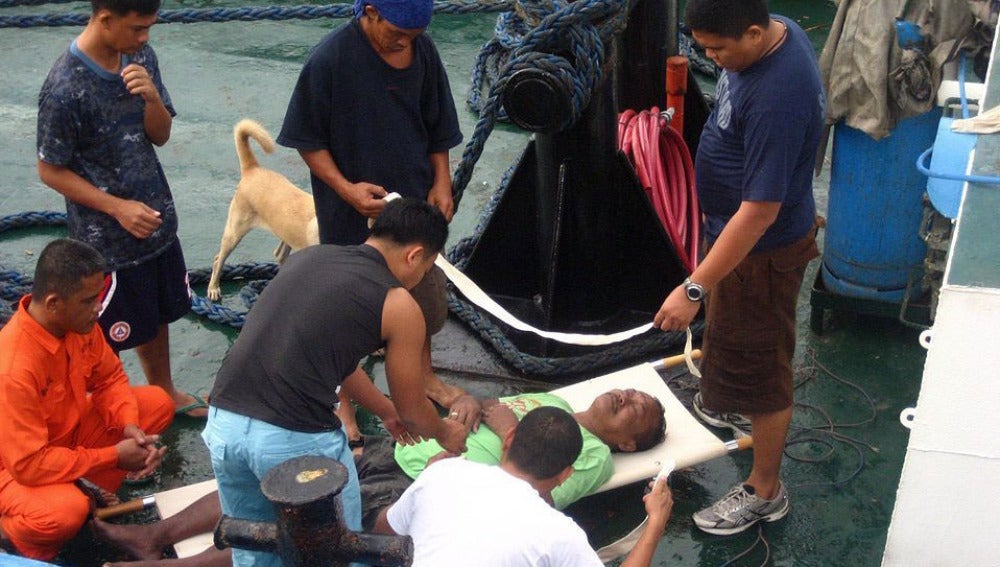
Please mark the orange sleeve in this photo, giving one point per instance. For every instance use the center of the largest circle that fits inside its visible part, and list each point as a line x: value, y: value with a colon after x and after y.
x: 24, y: 439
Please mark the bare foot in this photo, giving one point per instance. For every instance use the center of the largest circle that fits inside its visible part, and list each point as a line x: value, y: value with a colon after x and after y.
x: 137, y: 539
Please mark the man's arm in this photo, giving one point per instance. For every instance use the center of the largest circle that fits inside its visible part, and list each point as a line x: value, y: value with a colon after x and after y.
x: 739, y: 237
x: 382, y: 523
x: 137, y: 218
x: 156, y: 118
x: 359, y: 388
x: 366, y: 198
x: 659, y: 503
x: 440, y: 194
x: 403, y: 329
x: 24, y: 439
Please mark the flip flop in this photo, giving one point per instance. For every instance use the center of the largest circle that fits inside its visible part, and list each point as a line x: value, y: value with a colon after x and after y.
x: 140, y: 481
x: 198, y: 403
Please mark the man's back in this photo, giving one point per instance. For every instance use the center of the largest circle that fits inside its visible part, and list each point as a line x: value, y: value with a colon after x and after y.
x: 465, y: 513
x: 311, y: 326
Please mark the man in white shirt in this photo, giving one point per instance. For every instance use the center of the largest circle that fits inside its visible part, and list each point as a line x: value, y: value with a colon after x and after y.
x: 463, y: 513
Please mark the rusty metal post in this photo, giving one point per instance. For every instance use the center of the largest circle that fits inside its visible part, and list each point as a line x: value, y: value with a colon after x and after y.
x: 309, y: 530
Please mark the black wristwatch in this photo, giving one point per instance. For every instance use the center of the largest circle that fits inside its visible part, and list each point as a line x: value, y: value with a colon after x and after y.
x: 693, y: 291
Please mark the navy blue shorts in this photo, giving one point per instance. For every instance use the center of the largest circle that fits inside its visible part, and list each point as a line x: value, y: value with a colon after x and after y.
x: 139, y: 299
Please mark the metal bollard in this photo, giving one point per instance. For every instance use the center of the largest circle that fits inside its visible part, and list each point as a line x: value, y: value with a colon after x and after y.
x: 309, y: 530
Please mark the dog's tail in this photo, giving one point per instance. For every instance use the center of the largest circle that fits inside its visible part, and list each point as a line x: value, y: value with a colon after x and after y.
x: 245, y: 129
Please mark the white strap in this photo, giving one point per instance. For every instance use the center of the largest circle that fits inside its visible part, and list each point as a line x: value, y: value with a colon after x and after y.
x: 477, y: 296
x: 687, y: 356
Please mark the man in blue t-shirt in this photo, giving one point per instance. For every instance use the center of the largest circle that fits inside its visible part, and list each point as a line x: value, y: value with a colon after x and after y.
x: 753, y: 171
x: 101, y: 111
x: 372, y: 113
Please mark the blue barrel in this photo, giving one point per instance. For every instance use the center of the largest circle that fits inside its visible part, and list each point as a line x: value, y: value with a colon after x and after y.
x: 872, y: 247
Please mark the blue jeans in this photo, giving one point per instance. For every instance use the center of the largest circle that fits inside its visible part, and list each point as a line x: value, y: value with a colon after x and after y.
x: 243, y: 449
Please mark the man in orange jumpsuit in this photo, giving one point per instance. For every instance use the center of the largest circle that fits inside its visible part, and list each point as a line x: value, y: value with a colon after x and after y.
x: 67, y: 410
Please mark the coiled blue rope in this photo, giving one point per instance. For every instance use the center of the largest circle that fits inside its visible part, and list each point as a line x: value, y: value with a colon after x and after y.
x: 14, y: 285
x: 247, y: 14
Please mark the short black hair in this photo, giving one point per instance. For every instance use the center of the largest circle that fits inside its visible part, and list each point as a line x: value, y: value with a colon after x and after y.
x: 546, y: 441
x: 63, y: 264
x: 726, y: 18
x: 124, y: 7
x: 409, y: 221
x: 656, y: 433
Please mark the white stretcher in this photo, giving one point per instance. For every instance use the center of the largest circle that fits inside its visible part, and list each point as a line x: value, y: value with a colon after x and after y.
x: 687, y: 442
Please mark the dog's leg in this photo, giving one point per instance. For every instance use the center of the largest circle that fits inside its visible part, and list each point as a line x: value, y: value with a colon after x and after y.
x: 238, y: 224
x: 282, y: 251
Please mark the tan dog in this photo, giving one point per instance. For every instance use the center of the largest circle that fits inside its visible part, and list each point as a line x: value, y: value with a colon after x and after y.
x: 263, y: 198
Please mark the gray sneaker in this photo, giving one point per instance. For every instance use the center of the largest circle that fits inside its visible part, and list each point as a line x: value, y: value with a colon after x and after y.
x: 740, y: 509
x: 736, y: 422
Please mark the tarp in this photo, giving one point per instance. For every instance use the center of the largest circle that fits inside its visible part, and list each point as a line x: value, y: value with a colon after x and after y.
x: 871, y: 82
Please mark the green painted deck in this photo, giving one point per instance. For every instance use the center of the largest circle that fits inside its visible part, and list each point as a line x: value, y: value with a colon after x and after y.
x: 218, y: 73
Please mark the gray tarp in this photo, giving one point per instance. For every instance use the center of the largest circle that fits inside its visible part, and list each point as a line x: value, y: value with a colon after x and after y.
x: 862, y: 53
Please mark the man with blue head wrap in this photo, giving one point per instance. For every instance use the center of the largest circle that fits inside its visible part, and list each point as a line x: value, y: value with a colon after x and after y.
x: 372, y: 113
x: 404, y: 14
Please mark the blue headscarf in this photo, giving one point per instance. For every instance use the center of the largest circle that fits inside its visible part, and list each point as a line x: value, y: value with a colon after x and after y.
x: 405, y: 14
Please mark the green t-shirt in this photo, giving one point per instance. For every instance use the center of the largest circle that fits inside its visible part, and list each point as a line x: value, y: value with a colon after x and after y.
x: 591, y: 469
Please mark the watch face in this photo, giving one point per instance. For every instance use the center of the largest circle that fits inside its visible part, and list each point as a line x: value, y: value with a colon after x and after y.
x: 694, y: 293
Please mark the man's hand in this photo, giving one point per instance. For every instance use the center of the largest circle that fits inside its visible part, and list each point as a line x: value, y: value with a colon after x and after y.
x: 138, y: 82
x: 398, y: 431
x: 440, y: 457
x: 132, y: 431
x: 466, y: 410
x: 659, y: 502
x: 500, y: 418
x: 137, y: 218
x: 452, y: 436
x: 366, y: 198
x: 677, y: 311
x: 441, y: 198
x: 134, y: 457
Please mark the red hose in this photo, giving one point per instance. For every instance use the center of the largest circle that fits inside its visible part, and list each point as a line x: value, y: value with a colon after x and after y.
x: 663, y: 165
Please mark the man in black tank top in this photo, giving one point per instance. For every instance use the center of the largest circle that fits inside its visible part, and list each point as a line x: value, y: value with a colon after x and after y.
x: 328, y: 307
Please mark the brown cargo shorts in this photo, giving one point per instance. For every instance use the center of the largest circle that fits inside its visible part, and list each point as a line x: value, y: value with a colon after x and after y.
x: 431, y: 295
x: 749, y: 335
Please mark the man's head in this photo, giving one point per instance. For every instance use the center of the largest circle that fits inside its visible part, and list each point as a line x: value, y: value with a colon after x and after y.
x: 124, y: 24
x: 626, y: 420
x: 69, y: 280
x: 409, y: 233
x: 545, y: 444
x: 392, y: 25
x: 732, y: 32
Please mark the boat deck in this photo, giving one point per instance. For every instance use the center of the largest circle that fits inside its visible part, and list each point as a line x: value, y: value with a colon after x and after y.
x: 860, y: 373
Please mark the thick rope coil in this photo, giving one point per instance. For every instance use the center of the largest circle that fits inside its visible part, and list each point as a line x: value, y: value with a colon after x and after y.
x: 570, y: 28
x: 14, y: 285
x: 195, y: 15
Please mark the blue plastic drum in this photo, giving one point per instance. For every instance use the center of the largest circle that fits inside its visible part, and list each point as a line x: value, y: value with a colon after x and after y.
x: 872, y: 246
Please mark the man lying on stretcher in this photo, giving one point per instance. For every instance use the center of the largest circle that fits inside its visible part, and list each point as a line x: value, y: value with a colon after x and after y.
x: 618, y: 420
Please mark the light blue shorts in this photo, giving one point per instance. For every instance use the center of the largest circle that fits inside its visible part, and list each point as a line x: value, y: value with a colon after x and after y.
x: 243, y: 449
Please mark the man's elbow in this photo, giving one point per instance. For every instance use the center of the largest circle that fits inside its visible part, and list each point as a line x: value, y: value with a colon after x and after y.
x: 47, y: 172
x: 382, y: 526
x: 25, y: 473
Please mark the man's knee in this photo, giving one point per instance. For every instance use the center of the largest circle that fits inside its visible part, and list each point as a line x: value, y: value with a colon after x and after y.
x: 432, y: 297
x: 156, y: 408
x: 42, y: 531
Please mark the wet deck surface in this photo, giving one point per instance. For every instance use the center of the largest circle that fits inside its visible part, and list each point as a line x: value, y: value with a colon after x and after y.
x: 218, y: 73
